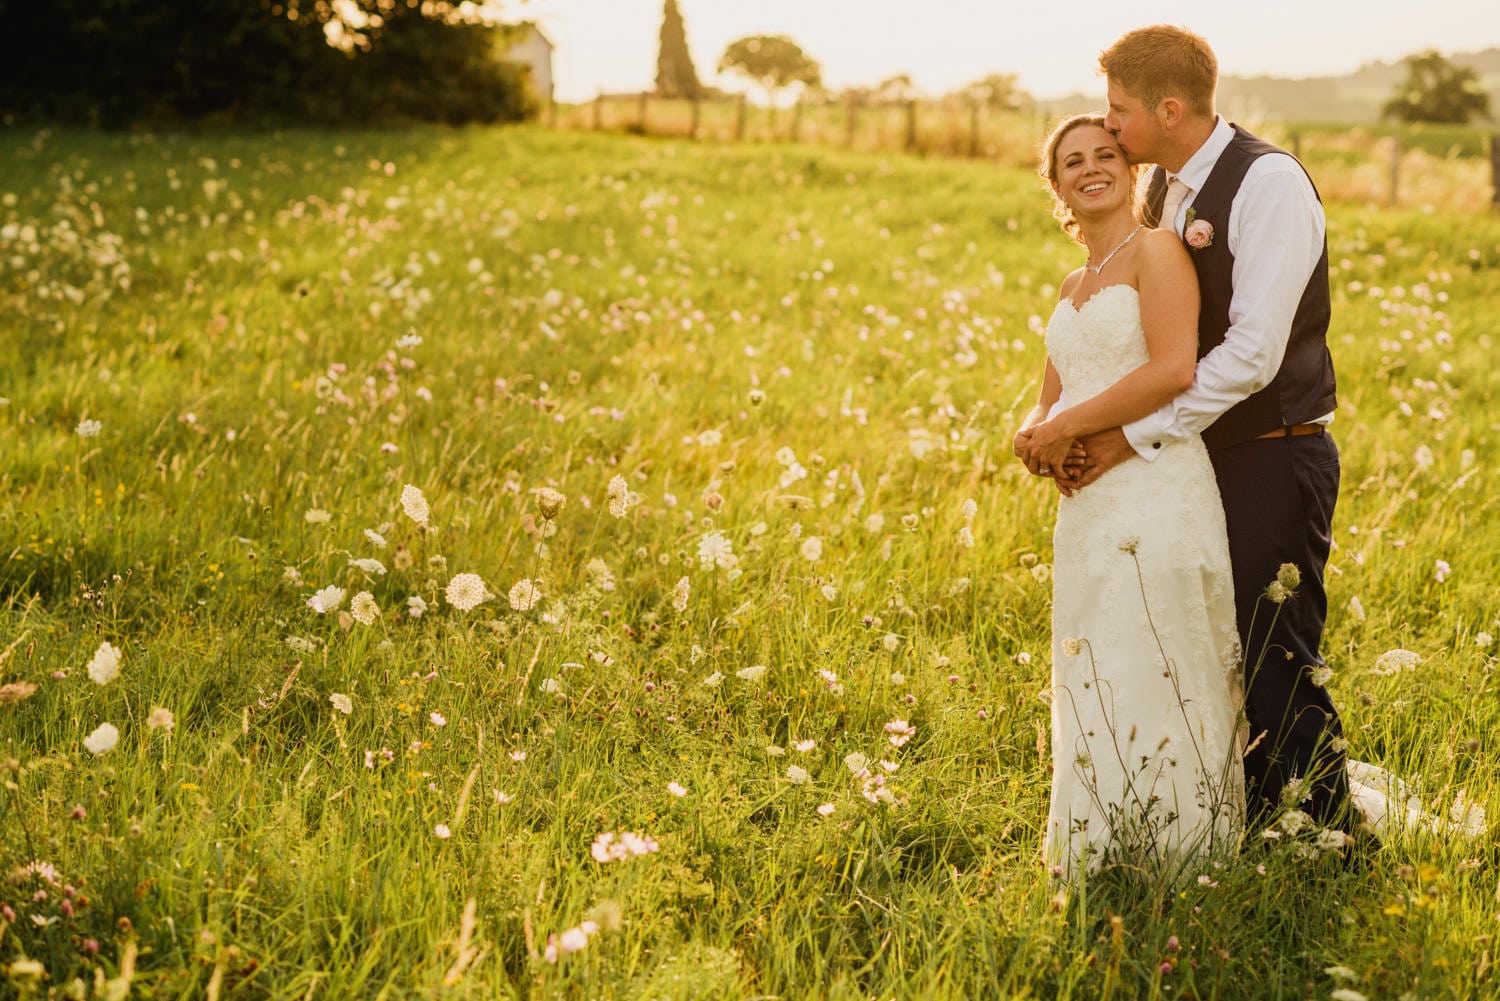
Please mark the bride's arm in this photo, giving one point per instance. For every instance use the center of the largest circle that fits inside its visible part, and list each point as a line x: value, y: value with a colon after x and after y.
x: 1168, y: 289
x: 1051, y: 392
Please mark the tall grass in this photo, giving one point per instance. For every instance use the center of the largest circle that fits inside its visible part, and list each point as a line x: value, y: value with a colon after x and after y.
x: 276, y: 334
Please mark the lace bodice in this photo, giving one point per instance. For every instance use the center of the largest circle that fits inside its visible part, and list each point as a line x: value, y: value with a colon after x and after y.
x: 1096, y: 345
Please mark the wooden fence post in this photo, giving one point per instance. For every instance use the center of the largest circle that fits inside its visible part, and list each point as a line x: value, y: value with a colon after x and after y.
x: 1395, y: 168
x: 599, y: 111
x: 739, y: 121
x: 1495, y: 170
x: 911, y: 125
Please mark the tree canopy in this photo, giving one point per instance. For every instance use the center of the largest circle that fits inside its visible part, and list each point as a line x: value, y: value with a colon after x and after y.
x: 773, y: 61
x: 1437, y: 90
x: 675, y: 74
x: 144, y: 61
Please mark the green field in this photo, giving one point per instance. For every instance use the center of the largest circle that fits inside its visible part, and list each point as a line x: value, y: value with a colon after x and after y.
x: 226, y: 357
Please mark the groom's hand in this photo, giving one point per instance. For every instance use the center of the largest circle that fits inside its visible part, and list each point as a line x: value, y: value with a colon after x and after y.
x: 1105, y: 450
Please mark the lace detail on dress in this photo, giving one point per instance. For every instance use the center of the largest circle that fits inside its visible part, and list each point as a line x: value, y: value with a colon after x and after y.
x: 1145, y: 713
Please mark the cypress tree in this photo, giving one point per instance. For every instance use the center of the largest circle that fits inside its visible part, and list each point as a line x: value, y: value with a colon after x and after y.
x: 675, y: 76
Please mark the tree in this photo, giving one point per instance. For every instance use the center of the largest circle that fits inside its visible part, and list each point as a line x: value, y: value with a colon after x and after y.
x: 1436, y: 90
x: 773, y: 61
x: 675, y: 75
x: 996, y: 92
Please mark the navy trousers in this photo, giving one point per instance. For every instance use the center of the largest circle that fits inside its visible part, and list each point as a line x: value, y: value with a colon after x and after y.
x: 1279, y: 495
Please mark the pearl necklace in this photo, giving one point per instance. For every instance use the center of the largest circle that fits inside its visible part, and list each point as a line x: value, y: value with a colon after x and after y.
x: 1112, y: 253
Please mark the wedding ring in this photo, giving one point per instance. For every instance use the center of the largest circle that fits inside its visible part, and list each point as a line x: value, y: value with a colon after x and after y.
x: 1045, y: 469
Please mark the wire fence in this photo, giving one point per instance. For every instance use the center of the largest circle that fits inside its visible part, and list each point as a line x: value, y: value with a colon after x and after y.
x: 1453, y: 167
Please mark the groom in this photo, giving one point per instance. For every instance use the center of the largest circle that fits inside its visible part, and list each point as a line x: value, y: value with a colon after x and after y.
x: 1262, y: 397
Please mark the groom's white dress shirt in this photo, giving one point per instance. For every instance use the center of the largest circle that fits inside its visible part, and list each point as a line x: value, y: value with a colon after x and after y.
x: 1276, y: 229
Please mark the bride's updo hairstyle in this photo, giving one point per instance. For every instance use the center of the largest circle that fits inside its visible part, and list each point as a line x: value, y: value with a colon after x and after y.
x: 1048, y: 169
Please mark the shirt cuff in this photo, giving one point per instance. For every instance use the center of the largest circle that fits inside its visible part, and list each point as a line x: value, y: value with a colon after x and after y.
x: 1148, y: 435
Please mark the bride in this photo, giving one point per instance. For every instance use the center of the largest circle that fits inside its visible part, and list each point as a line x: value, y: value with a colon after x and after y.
x: 1145, y: 653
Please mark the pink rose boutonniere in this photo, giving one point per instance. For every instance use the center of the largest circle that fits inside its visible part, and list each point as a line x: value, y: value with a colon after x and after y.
x: 1198, y: 233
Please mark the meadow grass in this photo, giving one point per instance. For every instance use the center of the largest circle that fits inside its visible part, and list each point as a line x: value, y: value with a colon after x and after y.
x: 765, y: 647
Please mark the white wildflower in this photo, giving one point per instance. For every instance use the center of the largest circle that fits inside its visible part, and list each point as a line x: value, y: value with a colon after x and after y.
x: 104, y: 738
x: 1394, y: 661
x: 812, y: 549
x: 369, y: 566
x: 525, y: 595
x: 104, y: 666
x: 89, y: 428
x: 714, y: 550
x: 752, y: 673
x: 466, y: 591
x: 341, y: 702
x: 317, y: 516
x: 680, y: 594
x: 619, y: 496
x: 375, y: 538
x: 362, y: 606
x: 797, y: 775
x: 326, y: 600
x: 415, y: 504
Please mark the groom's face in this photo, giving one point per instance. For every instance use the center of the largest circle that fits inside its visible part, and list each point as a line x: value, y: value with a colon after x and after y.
x: 1137, y: 130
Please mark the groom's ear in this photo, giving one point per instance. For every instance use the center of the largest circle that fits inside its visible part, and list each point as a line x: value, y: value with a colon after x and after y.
x: 1172, y: 110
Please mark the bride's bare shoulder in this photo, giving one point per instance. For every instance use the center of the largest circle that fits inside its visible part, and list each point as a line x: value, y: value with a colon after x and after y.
x: 1069, y: 284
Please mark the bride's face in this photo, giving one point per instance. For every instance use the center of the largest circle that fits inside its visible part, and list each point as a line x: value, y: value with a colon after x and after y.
x: 1092, y: 175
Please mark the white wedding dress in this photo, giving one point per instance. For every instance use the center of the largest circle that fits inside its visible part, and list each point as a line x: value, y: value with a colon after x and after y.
x: 1145, y: 654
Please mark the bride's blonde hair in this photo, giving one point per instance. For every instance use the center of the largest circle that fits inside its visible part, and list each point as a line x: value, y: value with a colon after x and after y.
x: 1048, y: 169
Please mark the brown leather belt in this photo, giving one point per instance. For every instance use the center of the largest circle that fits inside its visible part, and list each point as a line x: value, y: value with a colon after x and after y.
x: 1293, y: 431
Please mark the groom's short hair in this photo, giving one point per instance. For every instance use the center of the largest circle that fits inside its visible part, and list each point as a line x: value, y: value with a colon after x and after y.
x: 1163, y: 61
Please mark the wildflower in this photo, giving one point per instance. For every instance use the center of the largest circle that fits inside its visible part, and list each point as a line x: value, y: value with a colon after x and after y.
x: 757, y: 397
x: 16, y: 691
x: 875, y: 523
x: 797, y: 775
x: 1357, y: 608
x: 1041, y: 573
x: 710, y: 438
x: 442, y: 832
x: 375, y: 538
x: 611, y: 847
x: 437, y: 718
x: 804, y: 745
x: 1289, y: 576
x: 1321, y: 676
x: 676, y: 789
x: 1441, y: 571
x: 1277, y: 592
x: 829, y: 592
x: 1394, y: 661
x: 680, y: 594
x: 415, y: 504
x: 969, y: 510
x: 856, y: 762
x: 362, y: 606
x: 1347, y: 994
x: 326, y: 600
x: 104, y: 666
x: 812, y: 549
x: 752, y: 673
x: 1072, y: 647
x: 369, y: 566
x: 342, y: 703
x: 966, y: 537
x: 466, y: 591
x: 825, y: 810
x: 619, y: 496
x: 317, y: 516
x: 1483, y: 640
x: 900, y: 732
x: 550, y: 686
x: 1423, y: 457
x: 161, y: 719
x: 714, y: 550
x: 785, y: 456
x: 713, y: 680
x: 89, y: 428
x: 1331, y: 840
x: 416, y: 606
x: 910, y: 522
x: 549, y: 502
x: 573, y: 940
x: 300, y: 644
x: 104, y: 738
x: 525, y: 595
x: 1130, y: 544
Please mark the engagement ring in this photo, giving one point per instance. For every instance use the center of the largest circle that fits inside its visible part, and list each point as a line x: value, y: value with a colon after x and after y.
x: 1045, y: 470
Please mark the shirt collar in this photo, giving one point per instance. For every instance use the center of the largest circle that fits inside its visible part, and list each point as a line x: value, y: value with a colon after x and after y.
x: 1195, y: 172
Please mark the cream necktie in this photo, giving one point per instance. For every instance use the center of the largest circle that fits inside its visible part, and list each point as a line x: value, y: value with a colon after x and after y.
x: 1176, y: 193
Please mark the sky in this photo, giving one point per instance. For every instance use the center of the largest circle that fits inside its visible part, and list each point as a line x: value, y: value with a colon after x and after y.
x: 945, y: 44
